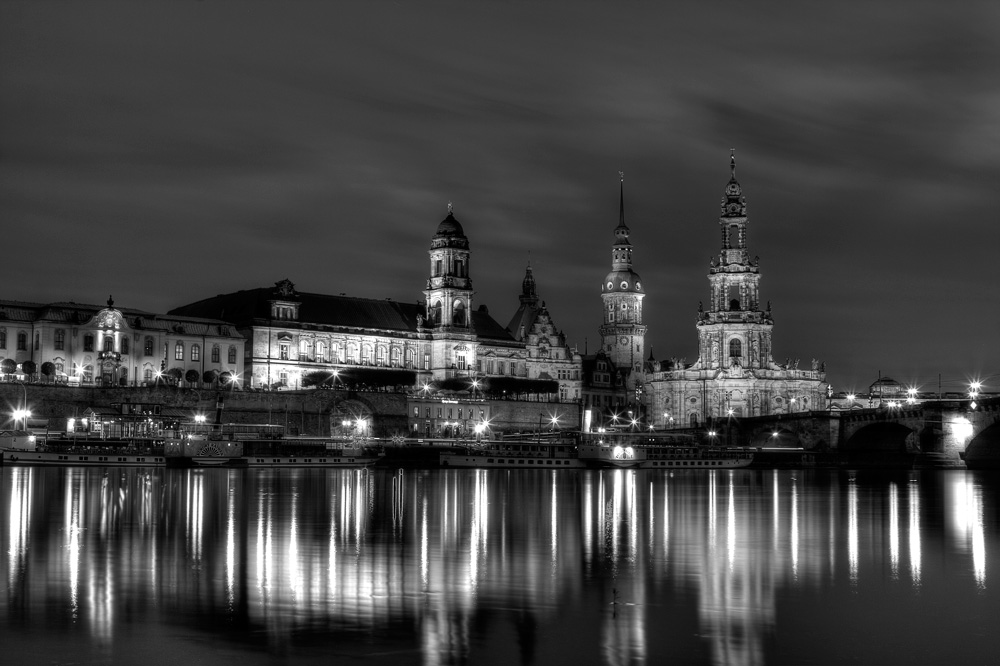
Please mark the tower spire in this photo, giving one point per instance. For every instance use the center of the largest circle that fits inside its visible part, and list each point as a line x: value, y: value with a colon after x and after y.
x: 732, y: 162
x: 621, y: 204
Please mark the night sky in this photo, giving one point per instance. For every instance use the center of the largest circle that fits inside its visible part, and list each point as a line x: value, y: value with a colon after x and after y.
x: 164, y: 153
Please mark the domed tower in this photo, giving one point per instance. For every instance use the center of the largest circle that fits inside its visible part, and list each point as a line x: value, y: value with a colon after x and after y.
x: 622, y: 333
x: 449, y: 290
x: 734, y: 333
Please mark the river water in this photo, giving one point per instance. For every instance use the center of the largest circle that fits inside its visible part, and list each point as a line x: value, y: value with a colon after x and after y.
x: 164, y: 566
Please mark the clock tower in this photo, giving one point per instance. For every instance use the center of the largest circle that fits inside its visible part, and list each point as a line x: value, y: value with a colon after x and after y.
x: 622, y: 333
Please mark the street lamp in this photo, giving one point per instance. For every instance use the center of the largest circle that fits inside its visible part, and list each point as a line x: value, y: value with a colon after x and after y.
x: 850, y: 401
x: 974, y: 393
x: 21, y: 415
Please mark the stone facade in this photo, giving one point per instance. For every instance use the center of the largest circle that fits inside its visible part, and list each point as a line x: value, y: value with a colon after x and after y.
x: 444, y: 337
x: 614, y: 377
x: 90, y: 345
x: 735, y: 374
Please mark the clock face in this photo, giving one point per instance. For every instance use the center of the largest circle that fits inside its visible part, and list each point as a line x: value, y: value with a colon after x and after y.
x: 623, y: 340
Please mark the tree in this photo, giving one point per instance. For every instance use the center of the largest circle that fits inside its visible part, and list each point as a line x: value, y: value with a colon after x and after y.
x: 210, y: 376
x: 226, y: 378
x: 191, y: 376
x: 8, y: 366
x: 176, y: 373
x: 48, y: 368
x: 29, y: 367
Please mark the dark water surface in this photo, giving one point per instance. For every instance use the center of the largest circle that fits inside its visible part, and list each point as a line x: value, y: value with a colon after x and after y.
x: 156, y: 566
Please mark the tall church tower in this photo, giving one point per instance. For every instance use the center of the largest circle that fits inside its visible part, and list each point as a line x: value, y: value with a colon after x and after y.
x: 622, y: 333
x: 449, y: 290
x: 734, y: 334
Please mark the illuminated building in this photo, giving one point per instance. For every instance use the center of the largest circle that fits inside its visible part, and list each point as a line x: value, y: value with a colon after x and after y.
x: 78, y: 344
x: 291, y: 334
x: 613, y: 377
x: 735, y: 374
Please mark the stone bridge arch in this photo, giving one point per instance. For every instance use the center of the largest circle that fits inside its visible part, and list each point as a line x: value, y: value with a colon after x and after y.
x: 983, y: 450
x: 882, y: 437
x: 348, y: 413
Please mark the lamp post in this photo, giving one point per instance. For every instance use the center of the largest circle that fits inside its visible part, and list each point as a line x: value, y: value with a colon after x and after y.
x: 974, y: 393
x: 22, y: 413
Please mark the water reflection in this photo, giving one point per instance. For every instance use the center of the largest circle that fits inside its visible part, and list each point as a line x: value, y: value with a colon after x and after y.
x: 441, y: 567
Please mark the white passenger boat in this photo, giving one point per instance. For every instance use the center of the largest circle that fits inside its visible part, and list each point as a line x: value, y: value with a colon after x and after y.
x: 23, y: 449
x: 536, y: 453
x: 657, y: 452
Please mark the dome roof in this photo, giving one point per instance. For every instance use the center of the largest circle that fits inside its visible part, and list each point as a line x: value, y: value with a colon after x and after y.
x: 627, y: 281
x: 450, y: 227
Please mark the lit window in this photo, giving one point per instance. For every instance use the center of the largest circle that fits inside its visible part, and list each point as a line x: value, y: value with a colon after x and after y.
x: 283, y: 351
x: 179, y: 351
x: 195, y: 352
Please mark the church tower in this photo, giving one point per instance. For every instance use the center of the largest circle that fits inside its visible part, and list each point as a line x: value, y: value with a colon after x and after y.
x: 622, y: 333
x: 734, y: 333
x: 449, y: 290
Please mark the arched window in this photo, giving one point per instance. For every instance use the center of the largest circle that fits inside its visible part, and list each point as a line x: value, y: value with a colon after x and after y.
x: 216, y: 354
x: 147, y: 346
x: 735, y: 348
x: 195, y: 352
x: 436, y: 313
x: 232, y: 353
x: 394, y: 357
x: 304, y: 349
x: 458, y: 317
x: 320, y: 351
x: 109, y: 343
x: 147, y: 374
x: 179, y: 351
x: 409, y: 358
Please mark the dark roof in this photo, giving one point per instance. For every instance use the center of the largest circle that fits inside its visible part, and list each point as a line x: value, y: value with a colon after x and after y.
x: 245, y: 308
x: 78, y: 313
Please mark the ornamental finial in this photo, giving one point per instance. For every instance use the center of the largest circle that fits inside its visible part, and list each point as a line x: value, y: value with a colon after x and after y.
x: 732, y: 162
x: 450, y: 208
x: 111, y: 301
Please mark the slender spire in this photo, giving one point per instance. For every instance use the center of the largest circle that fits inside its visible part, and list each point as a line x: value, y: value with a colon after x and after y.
x: 621, y: 206
x: 732, y: 162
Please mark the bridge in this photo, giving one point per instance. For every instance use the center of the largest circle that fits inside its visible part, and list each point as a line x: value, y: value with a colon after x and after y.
x: 945, y: 431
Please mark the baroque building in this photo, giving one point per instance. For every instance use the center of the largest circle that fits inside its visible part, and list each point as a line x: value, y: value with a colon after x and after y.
x: 90, y: 345
x: 290, y: 333
x: 735, y: 374
x: 614, y: 376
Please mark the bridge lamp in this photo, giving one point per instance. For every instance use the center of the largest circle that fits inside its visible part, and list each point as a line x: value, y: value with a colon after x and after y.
x: 774, y: 435
x: 850, y: 400
x: 911, y: 395
x: 553, y: 422
x: 199, y: 418
x: 730, y: 411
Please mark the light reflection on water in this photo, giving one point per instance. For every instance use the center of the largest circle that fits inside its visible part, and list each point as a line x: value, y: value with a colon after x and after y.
x: 476, y: 566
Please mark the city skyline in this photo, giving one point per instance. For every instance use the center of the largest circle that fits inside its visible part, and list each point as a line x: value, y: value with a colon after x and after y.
x: 165, y: 153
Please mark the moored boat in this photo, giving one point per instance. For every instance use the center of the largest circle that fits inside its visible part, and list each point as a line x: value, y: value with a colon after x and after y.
x: 657, y: 452
x: 23, y: 449
x: 548, y: 453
